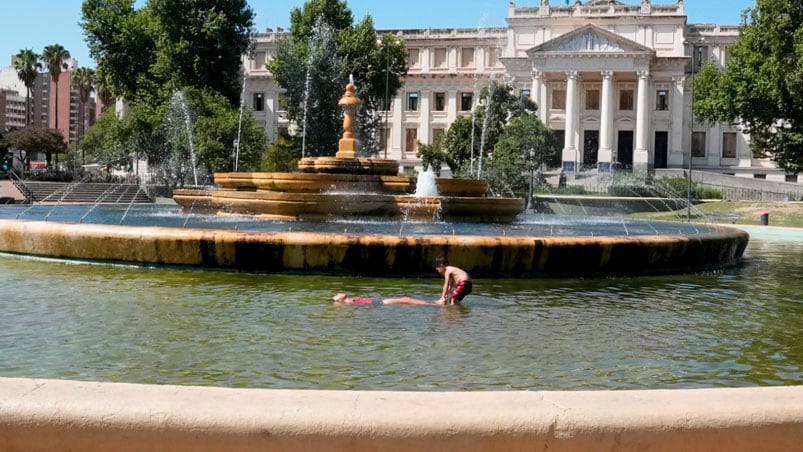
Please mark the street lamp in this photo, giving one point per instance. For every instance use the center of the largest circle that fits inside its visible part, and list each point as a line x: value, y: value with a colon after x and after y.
x: 531, y: 164
x: 387, y: 93
x: 694, y: 67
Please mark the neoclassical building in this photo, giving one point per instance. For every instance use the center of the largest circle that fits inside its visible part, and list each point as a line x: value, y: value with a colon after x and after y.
x: 612, y: 78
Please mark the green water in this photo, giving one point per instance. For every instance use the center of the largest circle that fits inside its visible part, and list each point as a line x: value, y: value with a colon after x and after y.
x: 739, y: 327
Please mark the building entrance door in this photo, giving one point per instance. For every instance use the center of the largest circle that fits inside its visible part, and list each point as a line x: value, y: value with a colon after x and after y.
x: 590, y: 148
x: 661, y: 148
x: 624, y: 150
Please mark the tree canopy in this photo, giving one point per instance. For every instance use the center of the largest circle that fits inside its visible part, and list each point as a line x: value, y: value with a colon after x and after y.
x: 314, y: 62
x: 36, y: 139
x: 761, y: 85
x: 470, y: 139
x: 147, y: 56
x: 168, y: 45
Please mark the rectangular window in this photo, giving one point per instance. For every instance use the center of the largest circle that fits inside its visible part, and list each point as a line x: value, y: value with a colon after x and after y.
x: 413, y: 58
x: 439, y: 60
x: 467, y: 57
x: 791, y: 178
x: 729, y: 145
x: 662, y: 100
x: 525, y: 93
x: 410, y: 140
x: 437, y: 134
x: 440, y: 101
x: 412, y: 101
x: 626, y: 99
x: 592, y: 99
x: 259, y: 101
x: 384, y: 143
x: 492, y: 57
x: 258, y: 62
x: 698, y: 144
x: 558, y: 99
x: 699, y: 58
x: 466, y: 101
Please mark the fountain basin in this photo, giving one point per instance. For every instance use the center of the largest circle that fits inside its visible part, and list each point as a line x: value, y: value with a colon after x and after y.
x: 375, y: 254
x: 318, y: 183
x: 323, y: 206
x: 332, y: 165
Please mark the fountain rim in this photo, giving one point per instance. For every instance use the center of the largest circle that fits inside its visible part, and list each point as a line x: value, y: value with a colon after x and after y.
x: 375, y: 254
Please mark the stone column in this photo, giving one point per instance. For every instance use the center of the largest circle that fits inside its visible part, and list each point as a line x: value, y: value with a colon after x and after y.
x: 676, y: 139
x: 641, y: 157
x: 570, y: 148
x: 535, y: 92
x: 605, y: 154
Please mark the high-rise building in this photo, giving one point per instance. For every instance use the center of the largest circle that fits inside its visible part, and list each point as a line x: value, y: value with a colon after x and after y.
x: 73, y: 118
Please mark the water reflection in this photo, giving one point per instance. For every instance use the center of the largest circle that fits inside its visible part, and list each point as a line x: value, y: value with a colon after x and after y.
x: 738, y: 327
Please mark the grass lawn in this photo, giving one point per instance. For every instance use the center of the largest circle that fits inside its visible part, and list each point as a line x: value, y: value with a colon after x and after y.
x: 787, y: 214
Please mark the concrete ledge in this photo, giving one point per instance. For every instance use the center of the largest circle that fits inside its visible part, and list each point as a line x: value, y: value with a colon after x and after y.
x: 52, y: 415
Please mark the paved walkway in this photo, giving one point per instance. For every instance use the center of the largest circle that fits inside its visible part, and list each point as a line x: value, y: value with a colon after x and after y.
x: 7, y: 189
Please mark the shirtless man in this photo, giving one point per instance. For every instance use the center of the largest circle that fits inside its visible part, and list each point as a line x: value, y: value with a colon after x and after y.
x: 456, y: 282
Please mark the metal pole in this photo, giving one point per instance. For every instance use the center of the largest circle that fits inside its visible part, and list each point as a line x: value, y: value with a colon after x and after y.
x: 387, y: 107
x: 532, y: 169
x: 691, y: 126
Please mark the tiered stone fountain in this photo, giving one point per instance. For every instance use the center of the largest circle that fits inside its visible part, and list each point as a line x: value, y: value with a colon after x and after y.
x: 345, y: 186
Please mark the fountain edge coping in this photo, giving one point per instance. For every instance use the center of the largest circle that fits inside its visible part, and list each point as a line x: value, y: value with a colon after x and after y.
x: 46, y: 415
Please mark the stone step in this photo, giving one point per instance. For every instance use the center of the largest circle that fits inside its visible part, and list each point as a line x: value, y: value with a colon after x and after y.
x: 106, y: 193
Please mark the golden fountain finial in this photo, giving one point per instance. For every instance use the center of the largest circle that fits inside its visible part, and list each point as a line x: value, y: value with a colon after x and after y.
x: 347, y: 146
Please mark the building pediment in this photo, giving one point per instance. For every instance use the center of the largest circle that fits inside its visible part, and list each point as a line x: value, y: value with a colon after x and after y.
x: 589, y: 39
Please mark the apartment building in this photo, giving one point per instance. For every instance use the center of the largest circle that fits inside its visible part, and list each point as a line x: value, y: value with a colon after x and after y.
x: 612, y: 78
x: 73, y: 118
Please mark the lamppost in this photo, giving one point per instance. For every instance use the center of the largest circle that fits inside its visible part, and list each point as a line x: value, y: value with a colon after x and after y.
x: 695, y: 63
x: 531, y: 164
x: 387, y: 93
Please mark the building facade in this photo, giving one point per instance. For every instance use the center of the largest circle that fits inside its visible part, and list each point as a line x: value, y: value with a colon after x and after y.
x: 73, y: 118
x: 613, y: 79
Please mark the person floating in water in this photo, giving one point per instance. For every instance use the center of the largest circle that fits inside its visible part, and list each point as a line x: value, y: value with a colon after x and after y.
x: 456, y: 282
x: 341, y: 298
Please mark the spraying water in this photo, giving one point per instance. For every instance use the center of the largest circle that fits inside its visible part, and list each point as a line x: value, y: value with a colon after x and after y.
x: 425, y: 184
x: 180, y: 133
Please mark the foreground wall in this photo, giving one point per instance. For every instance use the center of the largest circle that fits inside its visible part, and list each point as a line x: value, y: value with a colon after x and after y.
x: 51, y: 415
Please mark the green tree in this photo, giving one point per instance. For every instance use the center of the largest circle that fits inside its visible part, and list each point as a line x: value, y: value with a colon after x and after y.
x: 106, y: 141
x: 512, y: 154
x: 470, y: 139
x: 282, y: 156
x: 36, y: 139
x: 203, y: 46
x: 215, y: 131
x: 123, y: 42
x: 27, y: 65
x: 188, y: 46
x: 762, y: 82
x: 321, y: 50
x: 54, y: 57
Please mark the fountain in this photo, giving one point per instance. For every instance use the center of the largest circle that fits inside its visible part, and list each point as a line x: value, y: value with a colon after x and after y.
x: 339, y: 215
x: 345, y: 186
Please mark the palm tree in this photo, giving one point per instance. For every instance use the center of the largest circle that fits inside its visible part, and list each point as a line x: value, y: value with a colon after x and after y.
x: 83, y: 81
x: 27, y: 65
x: 54, y: 57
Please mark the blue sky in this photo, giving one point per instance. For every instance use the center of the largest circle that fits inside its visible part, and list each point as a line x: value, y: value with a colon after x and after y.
x: 37, y: 23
